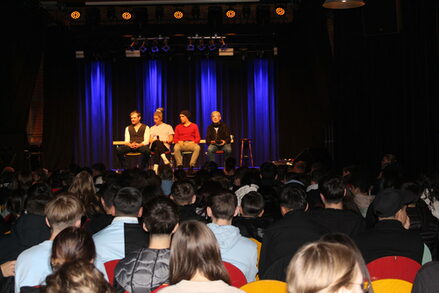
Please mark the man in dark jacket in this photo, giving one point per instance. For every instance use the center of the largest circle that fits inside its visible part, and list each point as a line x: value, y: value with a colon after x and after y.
x: 283, y: 238
x: 183, y: 194
x: 390, y: 236
x: 218, y: 137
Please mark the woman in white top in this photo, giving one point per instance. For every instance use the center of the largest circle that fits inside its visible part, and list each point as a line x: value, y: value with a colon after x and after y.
x: 161, y: 135
x: 195, y: 265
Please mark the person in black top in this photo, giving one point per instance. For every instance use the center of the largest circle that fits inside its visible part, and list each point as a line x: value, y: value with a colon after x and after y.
x: 218, y: 137
x: 390, y: 236
x: 183, y: 194
x: 334, y: 217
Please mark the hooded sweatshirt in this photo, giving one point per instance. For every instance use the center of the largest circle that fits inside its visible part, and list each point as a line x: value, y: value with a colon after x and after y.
x: 236, y: 249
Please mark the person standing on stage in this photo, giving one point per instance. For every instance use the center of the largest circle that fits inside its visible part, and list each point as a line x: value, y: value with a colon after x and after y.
x: 161, y: 135
x: 136, y: 140
x: 186, y: 138
x: 218, y: 137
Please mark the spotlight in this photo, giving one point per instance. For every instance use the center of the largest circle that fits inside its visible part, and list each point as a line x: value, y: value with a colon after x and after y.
x: 201, y: 46
x: 154, y: 47
x: 212, y: 45
x: 280, y: 11
x: 231, y: 13
x: 178, y: 14
x: 143, y: 47
x: 75, y: 14
x: 190, y: 46
x: 126, y: 15
x: 165, y: 46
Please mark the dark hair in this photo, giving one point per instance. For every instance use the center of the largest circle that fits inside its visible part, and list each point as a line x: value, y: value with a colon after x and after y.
x: 83, y: 187
x: 180, y: 174
x: 230, y: 164
x: 268, y: 170
x: 165, y: 172
x: 38, y: 196
x: 252, y: 204
x: 77, y: 276
x: 108, y: 192
x: 72, y: 244
x: 194, y: 249
x: 222, y: 204
x: 182, y: 192
x: 333, y: 188
x: 127, y: 201
x: 293, y: 197
x: 99, y: 167
x: 160, y: 215
x: 15, y: 202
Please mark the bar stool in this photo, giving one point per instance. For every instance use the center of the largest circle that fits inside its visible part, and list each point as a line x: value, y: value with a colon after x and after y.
x: 130, y: 157
x: 246, y: 146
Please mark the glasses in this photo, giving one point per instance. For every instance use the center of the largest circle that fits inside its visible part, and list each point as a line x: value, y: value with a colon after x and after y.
x: 365, y: 286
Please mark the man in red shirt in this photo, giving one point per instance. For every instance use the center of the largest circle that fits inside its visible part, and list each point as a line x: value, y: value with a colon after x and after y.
x: 186, y: 139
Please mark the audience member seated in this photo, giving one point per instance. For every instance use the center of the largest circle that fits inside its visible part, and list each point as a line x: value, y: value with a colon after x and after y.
x: 196, y: 265
x: 250, y: 222
x: 427, y: 280
x: 283, y: 238
x: 33, y: 264
x: 148, y: 268
x: 101, y: 220
x: 31, y: 228
x: 249, y: 182
x: 235, y: 249
x: 333, y: 216
x: 83, y: 187
x: 360, y: 187
x: 391, y: 236
x: 312, y: 190
x: 183, y: 194
x: 269, y: 177
x: 270, y: 189
x: 167, y: 176
x: 430, y: 191
x: 124, y: 234
x: 77, y: 276
x: 327, y: 267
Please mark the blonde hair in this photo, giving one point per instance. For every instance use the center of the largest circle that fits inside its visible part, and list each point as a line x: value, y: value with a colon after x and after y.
x: 322, y: 267
x: 159, y: 113
x: 63, y: 211
x: 77, y: 277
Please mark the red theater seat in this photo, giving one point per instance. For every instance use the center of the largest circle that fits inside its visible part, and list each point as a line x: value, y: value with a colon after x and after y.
x: 393, y: 267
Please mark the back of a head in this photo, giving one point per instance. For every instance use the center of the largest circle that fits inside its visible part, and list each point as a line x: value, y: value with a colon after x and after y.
x: 165, y: 172
x: 72, y: 244
x: 333, y: 188
x: 182, y: 192
x: 127, y: 202
x: 77, y: 277
x: 268, y: 170
x: 160, y: 215
x: 293, y: 197
x: 322, y: 267
x: 107, y: 193
x: 83, y: 185
x: 63, y: 211
x: 252, y: 204
x: 194, y: 249
x: 222, y: 204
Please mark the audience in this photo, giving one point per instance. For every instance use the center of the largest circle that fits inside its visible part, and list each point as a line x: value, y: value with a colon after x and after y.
x: 195, y: 264
x: 124, y: 234
x: 427, y: 280
x: 235, y: 249
x: 146, y: 269
x: 183, y: 194
x: 284, y: 237
x: 33, y: 264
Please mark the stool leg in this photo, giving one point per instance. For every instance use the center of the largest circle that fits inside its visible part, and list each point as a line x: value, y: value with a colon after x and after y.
x: 251, y: 152
x: 240, y: 157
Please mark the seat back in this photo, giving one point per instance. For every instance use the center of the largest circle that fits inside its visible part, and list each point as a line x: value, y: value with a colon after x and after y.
x: 237, y: 278
x: 393, y: 267
x: 265, y: 286
x: 109, y: 268
x: 259, y: 245
x: 391, y: 286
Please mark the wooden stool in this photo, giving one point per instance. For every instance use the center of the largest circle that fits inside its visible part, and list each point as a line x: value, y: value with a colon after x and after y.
x: 129, y: 161
x: 246, y: 145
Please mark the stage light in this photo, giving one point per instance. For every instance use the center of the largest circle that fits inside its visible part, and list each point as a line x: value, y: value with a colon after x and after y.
x: 212, y: 45
x: 178, y: 14
x: 342, y: 4
x: 126, y: 15
x: 201, y: 46
x: 231, y: 13
x: 75, y: 14
x: 190, y: 46
x: 280, y: 11
x: 143, y: 47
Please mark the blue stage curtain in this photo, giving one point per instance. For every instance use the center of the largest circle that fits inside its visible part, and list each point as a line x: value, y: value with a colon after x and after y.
x: 93, y: 141
x: 262, y: 110
x: 153, y: 95
x: 207, y: 93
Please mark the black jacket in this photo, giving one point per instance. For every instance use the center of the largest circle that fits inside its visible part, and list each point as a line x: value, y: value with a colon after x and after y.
x: 223, y: 133
x: 339, y: 221
x: 142, y: 271
x: 390, y: 238
x: 188, y: 212
x: 253, y: 227
x: 285, y: 237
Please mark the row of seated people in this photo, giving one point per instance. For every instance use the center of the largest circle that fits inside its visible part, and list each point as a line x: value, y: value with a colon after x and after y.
x: 280, y: 240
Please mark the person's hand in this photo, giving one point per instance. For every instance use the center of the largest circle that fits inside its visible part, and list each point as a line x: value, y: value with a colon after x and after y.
x: 223, y: 142
x: 8, y: 268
